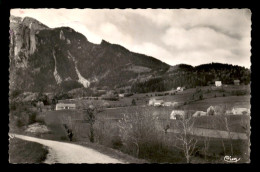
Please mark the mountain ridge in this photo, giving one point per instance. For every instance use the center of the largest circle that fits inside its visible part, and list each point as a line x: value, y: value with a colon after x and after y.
x: 33, y: 46
x: 49, y: 59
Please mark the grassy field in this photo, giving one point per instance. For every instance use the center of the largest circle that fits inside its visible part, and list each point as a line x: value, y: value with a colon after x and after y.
x: 229, y: 95
x: 230, y: 101
x: 26, y: 152
x: 55, y: 119
x: 106, y: 125
x: 237, y: 123
x: 216, y: 152
x: 107, y: 134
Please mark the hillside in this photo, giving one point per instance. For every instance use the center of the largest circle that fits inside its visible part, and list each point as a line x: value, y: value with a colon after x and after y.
x: 190, y: 77
x: 45, y: 59
x: 61, y: 59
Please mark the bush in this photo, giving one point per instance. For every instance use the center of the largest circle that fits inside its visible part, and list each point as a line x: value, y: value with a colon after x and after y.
x: 32, y: 118
x: 133, y: 102
x: 19, y: 123
x: 128, y: 94
x: 117, y: 143
x: 12, y: 106
x: 43, y: 98
x: 63, y: 138
x: 40, y: 119
x: 15, y: 93
x: 201, y: 96
x: 111, y: 98
x: 137, y: 128
x: 21, y: 119
x: 239, y: 92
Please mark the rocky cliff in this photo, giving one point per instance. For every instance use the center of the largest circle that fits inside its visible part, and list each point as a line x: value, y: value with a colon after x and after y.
x: 43, y: 58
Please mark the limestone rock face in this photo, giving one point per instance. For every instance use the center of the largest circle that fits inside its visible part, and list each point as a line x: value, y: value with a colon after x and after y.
x: 62, y: 37
x: 78, y: 63
x: 22, y: 39
x: 48, y: 59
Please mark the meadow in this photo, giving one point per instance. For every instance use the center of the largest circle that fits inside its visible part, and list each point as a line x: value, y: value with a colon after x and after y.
x: 154, y: 145
x: 21, y: 151
x: 158, y: 148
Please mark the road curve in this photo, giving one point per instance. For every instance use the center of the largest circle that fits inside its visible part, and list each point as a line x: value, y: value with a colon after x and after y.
x: 60, y: 152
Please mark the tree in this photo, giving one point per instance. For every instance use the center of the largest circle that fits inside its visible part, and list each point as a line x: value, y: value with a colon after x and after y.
x: 223, y: 120
x: 186, y: 140
x: 133, y: 102
x: 166, y: 128
x: 54, y: 101
x: 206, y: 143
x: 138, y: 128
x: 201, y: 96
x: 226, y: 122
x: 90, y: 118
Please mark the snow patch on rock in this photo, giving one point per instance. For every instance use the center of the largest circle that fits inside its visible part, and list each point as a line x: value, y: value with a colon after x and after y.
x: 32, y: 42
x: 62, y: 37
x: 81, y: 79
x: 55, y: 73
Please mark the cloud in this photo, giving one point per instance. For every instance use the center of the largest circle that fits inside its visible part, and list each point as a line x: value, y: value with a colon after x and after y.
x: 197, y: 39
x: 189, y: 36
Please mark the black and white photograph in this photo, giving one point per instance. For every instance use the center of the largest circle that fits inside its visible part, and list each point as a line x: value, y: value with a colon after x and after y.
x: 129, y: 86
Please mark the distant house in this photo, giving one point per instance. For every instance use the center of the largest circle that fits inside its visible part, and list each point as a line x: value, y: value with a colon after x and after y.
x: 199, y: 113
x: 240, y: 111
x: 236, y: 82
x: 102, y: 91
x: 62, y: 106
x: 180, y: 88
x: 170, y: 104
x: 121, y: 95
x: 151, y: 102
x: 158, y: 103
x: 155, y: 102
x: 177, y: 113
x: 218, y: 83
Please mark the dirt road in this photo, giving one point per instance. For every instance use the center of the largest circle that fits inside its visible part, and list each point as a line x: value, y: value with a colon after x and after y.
x: 60, y: 152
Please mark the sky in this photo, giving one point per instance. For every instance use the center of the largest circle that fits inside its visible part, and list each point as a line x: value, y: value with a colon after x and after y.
x: 174, y: 36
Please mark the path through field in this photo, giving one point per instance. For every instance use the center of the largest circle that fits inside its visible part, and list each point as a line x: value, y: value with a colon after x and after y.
x: 60, y: 152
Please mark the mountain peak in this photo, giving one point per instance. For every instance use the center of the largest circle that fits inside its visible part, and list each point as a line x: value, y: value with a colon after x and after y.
x: 33, y: 23
x: 104, y: 43
x: 15, y: 19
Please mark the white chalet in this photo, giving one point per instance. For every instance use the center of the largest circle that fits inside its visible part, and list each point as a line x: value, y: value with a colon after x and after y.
x: 62, y: 106
x: 218, y: 83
